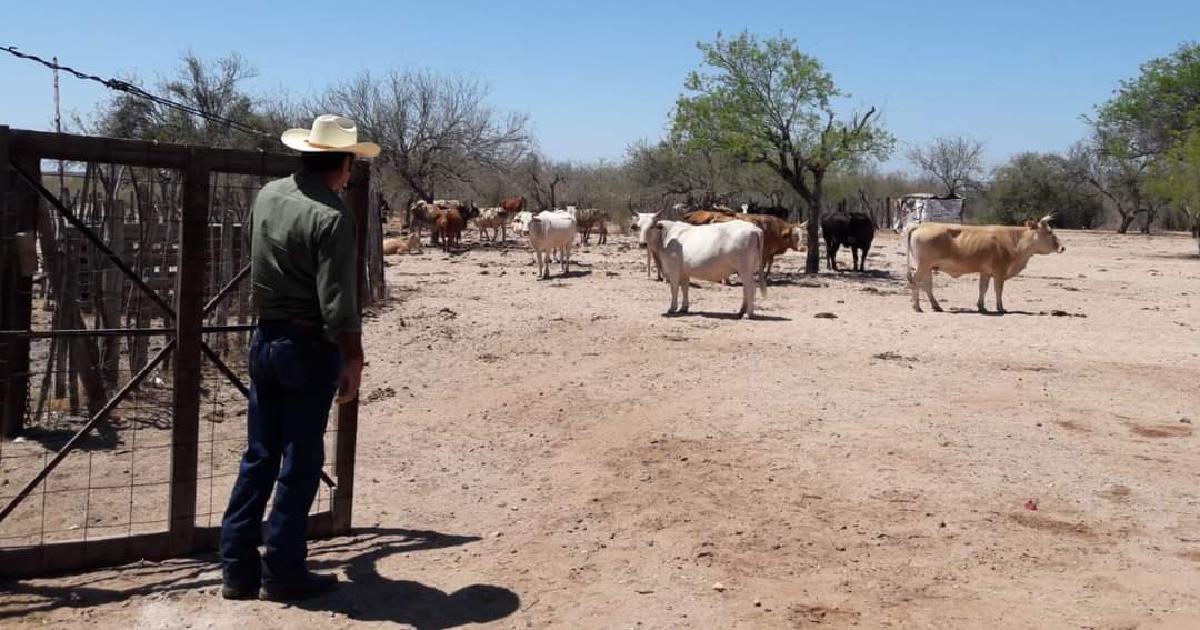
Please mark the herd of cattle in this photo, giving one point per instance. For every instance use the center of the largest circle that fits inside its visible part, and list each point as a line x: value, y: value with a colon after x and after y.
x: 713, y: 244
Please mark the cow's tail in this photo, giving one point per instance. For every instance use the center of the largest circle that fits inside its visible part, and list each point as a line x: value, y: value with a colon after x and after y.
x: 907, y: 236
x: 762, y: 271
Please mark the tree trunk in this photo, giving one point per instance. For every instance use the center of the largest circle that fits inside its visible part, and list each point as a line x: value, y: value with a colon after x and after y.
x: 1126, y: 221
x: 813, y: 263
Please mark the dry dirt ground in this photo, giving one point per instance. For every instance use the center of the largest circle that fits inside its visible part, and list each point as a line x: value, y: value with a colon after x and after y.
x: 558, y: 454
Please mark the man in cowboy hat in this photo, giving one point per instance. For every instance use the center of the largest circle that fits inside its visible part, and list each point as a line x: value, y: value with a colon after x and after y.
x: 307, y: 348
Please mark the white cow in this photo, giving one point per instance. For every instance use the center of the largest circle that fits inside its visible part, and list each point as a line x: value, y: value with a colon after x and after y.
x: 642, y: 222
x: 520, y: 224
x: 549, y: 231
x: 708, y: 252
x: 495, y: 219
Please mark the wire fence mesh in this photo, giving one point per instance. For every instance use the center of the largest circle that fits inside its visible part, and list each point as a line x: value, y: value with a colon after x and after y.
x: 114, y: 460
x: 118, y: 482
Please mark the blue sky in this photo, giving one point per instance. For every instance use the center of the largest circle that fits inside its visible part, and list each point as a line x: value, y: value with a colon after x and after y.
x: 596, y: 75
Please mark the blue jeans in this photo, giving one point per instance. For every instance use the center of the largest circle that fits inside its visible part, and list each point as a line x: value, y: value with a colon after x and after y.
x: 293, y: 378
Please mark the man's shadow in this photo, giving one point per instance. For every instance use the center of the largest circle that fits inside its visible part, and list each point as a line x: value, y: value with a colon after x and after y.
x: 370, y: 596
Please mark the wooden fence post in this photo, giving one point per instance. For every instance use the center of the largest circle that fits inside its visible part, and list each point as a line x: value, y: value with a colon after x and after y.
x: 18, y: 214
x: 359, y: 200
x: 189, y: 294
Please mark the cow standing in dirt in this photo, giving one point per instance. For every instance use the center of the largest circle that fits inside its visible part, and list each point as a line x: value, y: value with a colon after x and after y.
x: 448, y: 225
x: 994, y: 252
x: 855, y: 230
x: 548, y: 232
x: 708, y: 252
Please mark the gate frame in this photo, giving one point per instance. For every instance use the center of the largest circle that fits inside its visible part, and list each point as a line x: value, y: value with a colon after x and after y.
x: 19, y: 205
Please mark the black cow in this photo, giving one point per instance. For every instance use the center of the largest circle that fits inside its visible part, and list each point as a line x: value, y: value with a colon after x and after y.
x: 855, y: 230
x: 779, y: 212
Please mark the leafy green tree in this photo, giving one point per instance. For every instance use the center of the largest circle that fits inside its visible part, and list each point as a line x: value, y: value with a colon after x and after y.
x: 1149, y: 113
x: 215, y: 88
x: 1032, y: 185
x: 1137, y: 129
x: 766, y: 102
x: 1177, y: 178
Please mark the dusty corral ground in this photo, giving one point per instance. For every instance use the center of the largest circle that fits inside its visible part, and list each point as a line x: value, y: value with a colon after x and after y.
x: 559, y: 454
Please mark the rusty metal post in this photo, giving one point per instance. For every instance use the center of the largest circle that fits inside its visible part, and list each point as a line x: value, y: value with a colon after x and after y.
x: 18, y: 221
x: 189, y: 292
x: 358, y: 198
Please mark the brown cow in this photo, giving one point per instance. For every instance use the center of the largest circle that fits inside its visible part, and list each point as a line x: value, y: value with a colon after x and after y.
x: 991, y: 251
x: 778, y: 235
x: 449, y: 225
x: 513, y: 205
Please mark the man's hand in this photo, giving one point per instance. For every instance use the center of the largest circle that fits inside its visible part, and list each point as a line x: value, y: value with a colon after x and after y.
x: 349, y: 380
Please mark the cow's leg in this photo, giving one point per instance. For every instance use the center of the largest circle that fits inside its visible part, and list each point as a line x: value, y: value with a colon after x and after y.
x: 862, y: 262
x: 915, y: 285
x: 684, y: 283
x: 831, y: 248
x: 999, y: 294
x: 933, y: 303
x: 854, y: 258
x: 747, y: 279
x: 674, y: 296
x: 983, y: 286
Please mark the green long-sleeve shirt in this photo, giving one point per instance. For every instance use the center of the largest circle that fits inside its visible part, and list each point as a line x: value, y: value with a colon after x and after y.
x: 304, y: 254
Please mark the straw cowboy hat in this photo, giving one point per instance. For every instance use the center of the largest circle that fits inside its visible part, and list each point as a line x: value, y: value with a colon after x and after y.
x: 330, y: 133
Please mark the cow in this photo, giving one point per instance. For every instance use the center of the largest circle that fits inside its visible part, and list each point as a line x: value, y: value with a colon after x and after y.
x: 778, y: 235
x: 779, y: 212
x: 410, y: 245
x: 495, y: 219
x: 588, y: 219
x: 708, y: 252
x: 855, y: 230
x: 994, y: 252
x: 449, y: 224
x: 421, y: 214
x: 549, y: 231
x: 513, y: 204
x: 642, y: 222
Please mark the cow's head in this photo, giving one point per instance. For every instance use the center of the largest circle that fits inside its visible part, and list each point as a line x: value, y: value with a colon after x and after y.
x: 642, y: 222
x: 1043, y: 239
x: 793, y: 235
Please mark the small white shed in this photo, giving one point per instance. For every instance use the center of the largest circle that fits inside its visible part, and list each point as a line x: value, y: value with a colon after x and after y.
x: 919, y: 207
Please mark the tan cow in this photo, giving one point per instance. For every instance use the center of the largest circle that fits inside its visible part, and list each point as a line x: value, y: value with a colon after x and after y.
x: 410, y: 245
x: 991, y: 251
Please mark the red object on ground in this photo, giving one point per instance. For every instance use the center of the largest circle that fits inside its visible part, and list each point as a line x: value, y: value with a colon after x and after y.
x: 1031, y: 505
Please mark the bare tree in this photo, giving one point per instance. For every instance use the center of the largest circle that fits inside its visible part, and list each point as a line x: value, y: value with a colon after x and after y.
x: 542, y: 179
x: 434, y: 129
x: 956, y: 162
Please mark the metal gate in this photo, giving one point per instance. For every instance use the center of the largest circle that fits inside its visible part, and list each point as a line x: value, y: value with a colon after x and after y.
x: 121, y: 438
